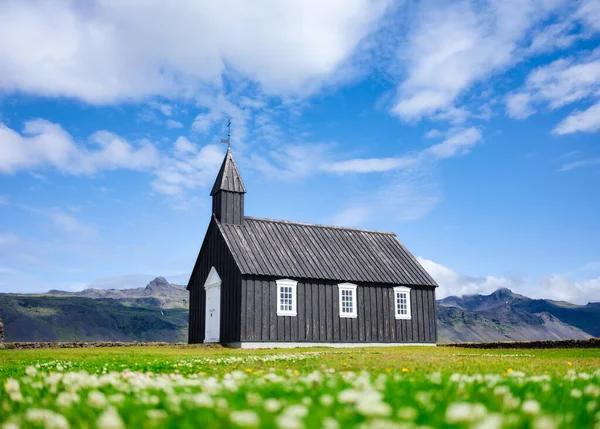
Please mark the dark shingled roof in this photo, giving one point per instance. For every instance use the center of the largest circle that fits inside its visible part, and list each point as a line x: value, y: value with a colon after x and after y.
x: 229, y: 178
x: 300, y: 250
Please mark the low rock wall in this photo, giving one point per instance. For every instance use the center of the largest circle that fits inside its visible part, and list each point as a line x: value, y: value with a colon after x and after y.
x: 79, y: 344
x: 550, y: 344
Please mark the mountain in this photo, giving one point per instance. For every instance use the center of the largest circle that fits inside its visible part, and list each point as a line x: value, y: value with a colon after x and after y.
x: 159, y: 312
x: 507, y: 316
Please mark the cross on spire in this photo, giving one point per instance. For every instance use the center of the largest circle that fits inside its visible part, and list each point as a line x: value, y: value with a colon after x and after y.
x: 228, y: 140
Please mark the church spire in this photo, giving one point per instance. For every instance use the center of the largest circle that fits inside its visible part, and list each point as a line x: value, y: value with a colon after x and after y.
x: 228, y: 192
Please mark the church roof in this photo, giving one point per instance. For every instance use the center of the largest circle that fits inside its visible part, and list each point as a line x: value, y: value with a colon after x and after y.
x: 300, y: 250
x: 229, y: 178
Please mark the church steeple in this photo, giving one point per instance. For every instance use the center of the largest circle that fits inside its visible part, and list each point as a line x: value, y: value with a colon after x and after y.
x: 228, y: 193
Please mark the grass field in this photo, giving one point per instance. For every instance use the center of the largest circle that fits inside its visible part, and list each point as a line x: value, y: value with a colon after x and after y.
x: 317, y: 388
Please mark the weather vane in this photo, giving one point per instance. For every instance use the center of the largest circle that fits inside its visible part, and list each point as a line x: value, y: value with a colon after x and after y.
x: 228, y: 140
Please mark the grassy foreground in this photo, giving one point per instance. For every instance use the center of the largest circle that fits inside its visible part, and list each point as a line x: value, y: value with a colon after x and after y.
x: 318, y: 388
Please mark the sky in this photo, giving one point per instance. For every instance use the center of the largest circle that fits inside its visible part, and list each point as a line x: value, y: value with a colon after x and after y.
x: 471, y: 129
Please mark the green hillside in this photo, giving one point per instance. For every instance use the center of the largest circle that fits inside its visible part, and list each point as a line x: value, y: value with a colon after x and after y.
x: 53, y: 318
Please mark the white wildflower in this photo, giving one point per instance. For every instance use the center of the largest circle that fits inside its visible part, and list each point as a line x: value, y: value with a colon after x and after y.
x: 10, y: 425
x: 348, y: 396
x: 330, y: 423
x: 272, y: 405
x: 11, y: 386
x: 501, y: 390
x: 576, y: 393
x: 203, y: 400
x: 544, y: 422
x: 298, y: 411
x: 285, y: 421
x: 464, y: 412
x: 245, y: 418
x: 326, y: 400
x: 66, y: 399
x: 31, y: 371
x: 96, y: 399
x: 436, y: 378
x: 591, y: 406
x: 491, y: 421
x: 408, y: 413
x: 531, y: 407
x: 592, y: 390
x: 110, y: 419
x: 49, y: 419
x: 155, y: 415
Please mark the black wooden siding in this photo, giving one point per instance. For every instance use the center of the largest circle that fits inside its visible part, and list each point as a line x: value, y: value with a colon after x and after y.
x: 228, y: 207
x: 214, y: 252
x: 318, y: 320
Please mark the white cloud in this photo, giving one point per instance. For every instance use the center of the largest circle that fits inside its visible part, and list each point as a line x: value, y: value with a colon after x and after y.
x: 580, y: 121
x: 291, y: 162
x: 518, y: 105
x: 189, y: 167
x: 459, y: 143
x: 562, y: 82
x: 452, y: 283
x: 453, y: 45
x: 558, y: 287
x: 165, y: 109
x: 45, y: 144
x: 410, y: 190
x: 369, y: 165
x: 73, y: 226
x: 562, y: 288
x: 578, y: 164
x: 171, y: 123
x: 107, y: 51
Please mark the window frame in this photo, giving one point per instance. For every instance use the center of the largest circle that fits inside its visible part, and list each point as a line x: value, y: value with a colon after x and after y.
x: 397, y: 291
x: 293, y: 285
x: 352, y: 288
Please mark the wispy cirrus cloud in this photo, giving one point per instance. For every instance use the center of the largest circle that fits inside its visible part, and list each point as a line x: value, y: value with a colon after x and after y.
x: 410, y: 188
x: 453, y: 46
x: 578, y: 164
x: 562, y: 82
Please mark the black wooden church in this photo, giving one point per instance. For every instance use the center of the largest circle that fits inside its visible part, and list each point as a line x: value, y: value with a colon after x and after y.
x: 273, y: 283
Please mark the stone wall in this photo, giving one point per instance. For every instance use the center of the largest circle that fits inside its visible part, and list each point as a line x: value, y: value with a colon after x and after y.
x: 550, y: 344
x: 79, y: 344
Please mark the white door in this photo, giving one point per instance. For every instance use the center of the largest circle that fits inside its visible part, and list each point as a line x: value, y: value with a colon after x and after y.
x: 213, y: 307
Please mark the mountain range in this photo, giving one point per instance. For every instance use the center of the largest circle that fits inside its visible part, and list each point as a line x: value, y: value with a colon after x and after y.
x: 159, y: 312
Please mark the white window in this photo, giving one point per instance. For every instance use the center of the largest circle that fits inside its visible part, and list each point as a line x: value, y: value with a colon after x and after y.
x: 286, y: 297
x: 402, y: 302
x: 347, y: 299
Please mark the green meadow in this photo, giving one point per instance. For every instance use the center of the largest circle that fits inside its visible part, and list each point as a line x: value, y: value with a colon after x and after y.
x: 400, y: 387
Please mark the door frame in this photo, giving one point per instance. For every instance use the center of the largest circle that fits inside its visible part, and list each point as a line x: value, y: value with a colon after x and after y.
x: 213, y: 281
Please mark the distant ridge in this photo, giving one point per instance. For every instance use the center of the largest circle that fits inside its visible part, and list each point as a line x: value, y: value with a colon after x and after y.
x: 506, y: 316
x: 159, y: 312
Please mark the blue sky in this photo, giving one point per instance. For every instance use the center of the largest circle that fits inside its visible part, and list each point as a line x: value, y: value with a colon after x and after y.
x: 471, y: 129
